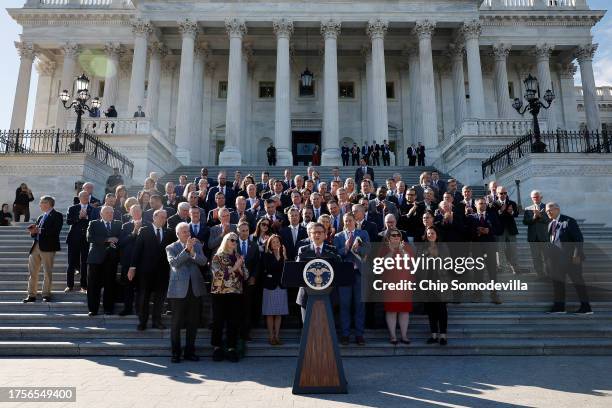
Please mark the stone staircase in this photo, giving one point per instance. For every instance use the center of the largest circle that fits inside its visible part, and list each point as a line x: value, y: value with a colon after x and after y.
x: 517, y: 327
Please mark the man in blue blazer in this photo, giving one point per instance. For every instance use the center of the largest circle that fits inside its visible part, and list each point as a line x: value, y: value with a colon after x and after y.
x: 228, y: 192
x: 185, y: 289
x: 353, y: 246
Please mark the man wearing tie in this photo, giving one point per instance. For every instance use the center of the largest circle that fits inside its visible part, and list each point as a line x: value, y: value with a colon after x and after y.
x: 276, y: 218
x: 103, y: 257
x: 293, y: 233
x: 537, y: 232
x: 78, y: 218
x: 362, y: 170
x: 482, y: 230
x: 228, y: 192
x: 345, y: 154
x: 198, y: 229
x: 353, y: 246
x: 317, y: 208
x: 565, y: 258
x: 336, y: 215
x: 336, y: 175
x: 251, y: 306
x: 127, y: 240
x: 46, y: 243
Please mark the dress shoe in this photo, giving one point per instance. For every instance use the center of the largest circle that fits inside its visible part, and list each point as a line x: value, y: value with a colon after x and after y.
x: 175, y: 359
x: 406, y: 341
x: 141, y: 327
x: 360, y: 341
x: 159, y: 326
x: 585, y: 309
x: 91, y: 314
x: 191, y: 357
x: 46, y: 299
x: 232, y: 355
x: 393, y: 341
x: 557, y: 309
x: 125, y: 312
x: 29, y: 299
x: 443, y: 341
x: 495, y: 298
x: 344, y: 340
x: 218, y: 354
x: 431, y: 340
x: 68, y: 289
x: 83, y: 290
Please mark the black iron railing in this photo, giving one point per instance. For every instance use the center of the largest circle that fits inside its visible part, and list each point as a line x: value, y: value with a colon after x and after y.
x: 63, y: 142
x: 556, y: 142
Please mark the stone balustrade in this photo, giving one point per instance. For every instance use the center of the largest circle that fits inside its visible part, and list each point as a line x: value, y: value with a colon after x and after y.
x: 102, y: 4
x: 533, y: 4
x: 122, y: 126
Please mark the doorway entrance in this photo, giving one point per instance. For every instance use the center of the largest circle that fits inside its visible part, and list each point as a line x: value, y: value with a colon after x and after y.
x: 303, y: 144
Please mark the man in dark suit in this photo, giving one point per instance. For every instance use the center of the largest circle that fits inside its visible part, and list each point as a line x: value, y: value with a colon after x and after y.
x: 171, y: 199
x: 242, y: 212
x: 263, y: 186
x: 93, y: 201
x: 507, y: 211
x: 292, y: 234
x: 198, y: 228
x: 151, y: 269
x: 317, y: 249
x: 362, y: 170
x: 363, y: 224
x: 219, y: 231
x: 411, y: 219
x: 103, y: 237
x: 139, y: 113
x: 204, y: 174
x: 420, y: 155
x: 213, y: 214
x: 78, y: 218
x: 222, y: 187
x: 316, y: 203
x: 375, y: 154
x: 482, y: 226
x: 565, y: 257
x: 468, y: 204
x: 424, y: 184
x: 46, y: 243
x: 249, y: 250
x: 437, y: 182
x: 537, y: 232
x: 278, y: 188
x: 336, y: 215
x: 182, y: 215
x: 345, y: 154
x: 127, y: 239
x: 354, y: 154
x: 156, y: 203
x: 276, y: 218
x: 411, y: 152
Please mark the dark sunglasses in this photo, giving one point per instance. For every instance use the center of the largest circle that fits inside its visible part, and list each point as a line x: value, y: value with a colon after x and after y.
x: 503, y: 193
x: 233, y: 240
x: 396, y: 235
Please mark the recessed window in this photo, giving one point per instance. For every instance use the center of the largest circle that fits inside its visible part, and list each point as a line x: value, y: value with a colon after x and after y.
x: 511, y: 90
x: 307, y: 91
x: 346, y: 89
x: 390, y: 90
x: 266, y: 90
x: 222, y: 92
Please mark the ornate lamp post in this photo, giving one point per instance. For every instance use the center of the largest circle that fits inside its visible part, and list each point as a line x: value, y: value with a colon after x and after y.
x: 79, y: 103
x: 534, y: 104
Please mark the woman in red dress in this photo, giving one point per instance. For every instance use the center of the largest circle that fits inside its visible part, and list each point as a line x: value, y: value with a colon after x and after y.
x: 316, y: 156
x: 398, y: 304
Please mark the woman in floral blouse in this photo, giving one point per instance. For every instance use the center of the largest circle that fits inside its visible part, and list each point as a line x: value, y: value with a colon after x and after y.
x: 228, y: 277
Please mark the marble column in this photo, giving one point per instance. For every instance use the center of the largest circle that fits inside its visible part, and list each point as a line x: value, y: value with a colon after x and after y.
x: 584, y: 55
x: 542, y: 53
x: 245, y: 84
x: 201, y: 55
x: 471, y: 32
x: 429, y: 133
x: 209, y: 71
x: 366, y: 51
x: 20, y: 104
x: 157, y: 51
x: 500, y: 54
x: 71, y: 51
x: 377, y: 29
x: 568, y: 95
x: 282, y: 118
x: 141, y: 30
x: 45, y: 94
x: 331, y: 137
x: 188, y: 30
x: 414, y: 79
x: 113, y: 52
x: 456, y: 53
x: 231, y: 155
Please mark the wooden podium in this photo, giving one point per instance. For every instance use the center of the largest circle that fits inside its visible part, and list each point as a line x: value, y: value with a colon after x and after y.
x: 319, y: 368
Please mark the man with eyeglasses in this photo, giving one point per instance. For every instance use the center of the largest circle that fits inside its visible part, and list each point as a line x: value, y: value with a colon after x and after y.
x: 507, y: 211
x: 217, y: 232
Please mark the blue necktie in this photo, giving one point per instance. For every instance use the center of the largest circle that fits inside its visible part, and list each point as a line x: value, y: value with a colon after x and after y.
x: 244, y: 248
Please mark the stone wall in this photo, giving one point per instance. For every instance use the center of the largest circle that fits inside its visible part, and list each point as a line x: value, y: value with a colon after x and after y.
x: 51, y: 174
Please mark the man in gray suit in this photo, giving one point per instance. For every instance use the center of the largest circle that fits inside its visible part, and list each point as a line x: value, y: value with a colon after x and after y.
x: 382, y: 205
x: 185, y: 289
x: 537, y: 231
x: 217, y: 232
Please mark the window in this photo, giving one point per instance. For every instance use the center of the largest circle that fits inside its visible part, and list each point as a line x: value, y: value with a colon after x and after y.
x: 307, y: 91
x: 266, y: 90
x: 222, y: 92
x: 511, y: 90
x: 390, y: 90
x: 346, y: 90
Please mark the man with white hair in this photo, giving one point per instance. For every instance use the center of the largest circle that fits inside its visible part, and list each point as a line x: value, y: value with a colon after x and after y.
x: 182, y: 215
x: 391, y: 223
x: 217, y: 232
x: 102, y: 259
x: 93, y: 201
x: 537, y: 231
x: 127, y: 239
x: 185, y: 290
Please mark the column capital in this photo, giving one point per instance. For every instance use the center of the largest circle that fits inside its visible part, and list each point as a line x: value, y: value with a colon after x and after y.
x: 235, y: 27
x: 377, y: 28
x: 330, y: 28
x: 202, y: 49
x: 25, y: 50
x: 141, y: 28
x: 158, y: 48
x: 542, y: 51
x: 567, y: 70
x: 424, y: 29
x: 283, y: 28
x: 501, y: 51
x: 113, y: 50
x: 71, y: 50
x: 586, y: 52
x: 455, y: 52
x: 45, y: 67
x: 471, y: 30
x: 188, y: 28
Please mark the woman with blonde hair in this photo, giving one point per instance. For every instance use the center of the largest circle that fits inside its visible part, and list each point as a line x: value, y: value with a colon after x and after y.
x: 229, y: 275
x: 121, y: 194
x: 270, y: 271
x: 127, y: 206
x: 188, y: 189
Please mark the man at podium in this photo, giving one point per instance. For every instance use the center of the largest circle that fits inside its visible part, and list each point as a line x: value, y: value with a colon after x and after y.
x: 317, y: 249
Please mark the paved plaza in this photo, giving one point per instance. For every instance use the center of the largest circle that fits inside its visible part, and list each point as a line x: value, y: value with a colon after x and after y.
x: 495, y: 382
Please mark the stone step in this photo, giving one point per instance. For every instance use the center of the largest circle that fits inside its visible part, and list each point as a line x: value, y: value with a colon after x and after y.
x: 456, y: 346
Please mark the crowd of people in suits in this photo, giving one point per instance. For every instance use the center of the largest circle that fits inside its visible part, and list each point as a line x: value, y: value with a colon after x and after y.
x: 229, y: 239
